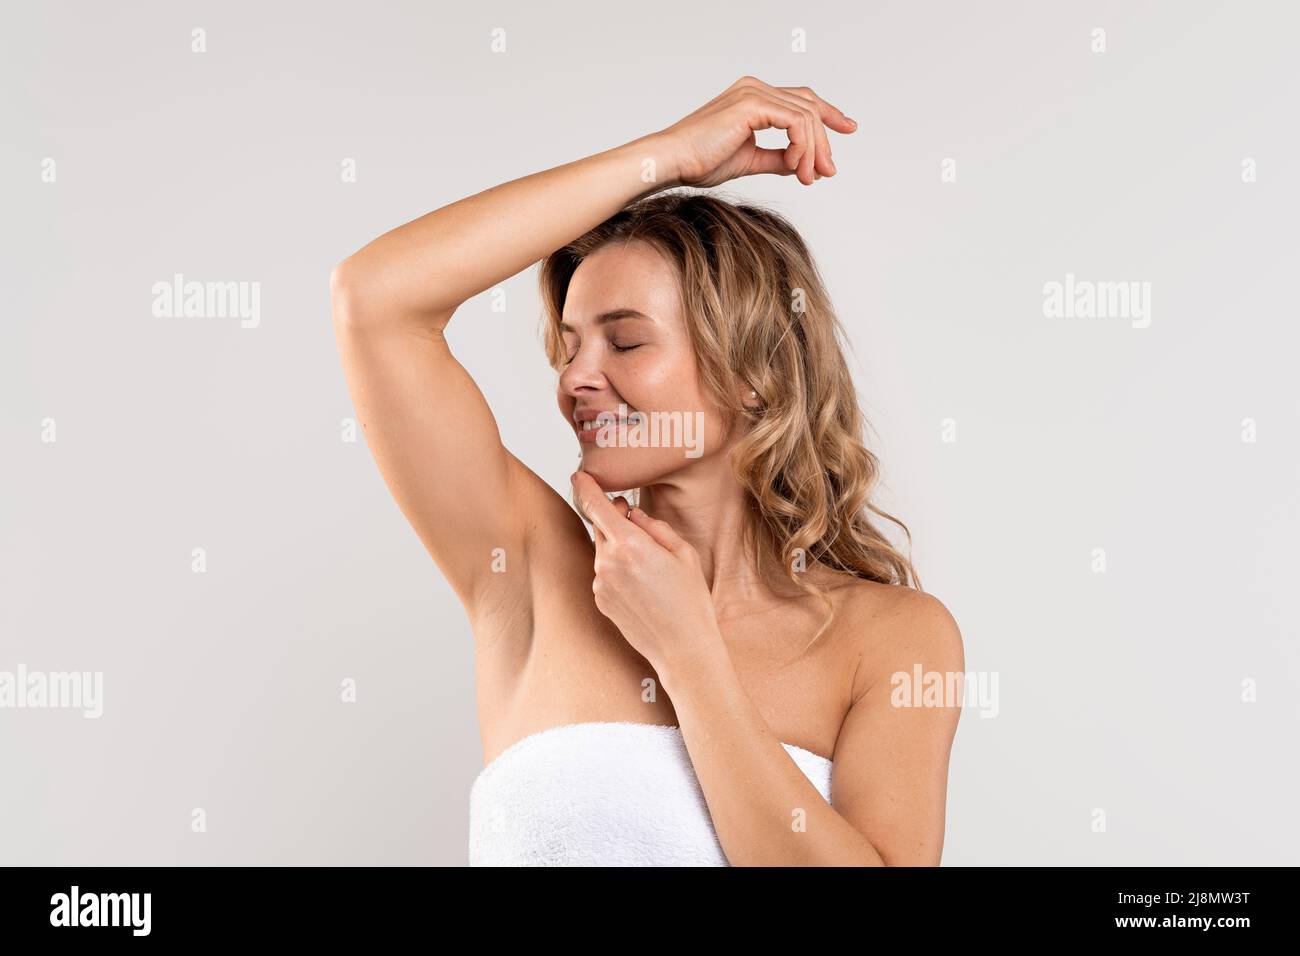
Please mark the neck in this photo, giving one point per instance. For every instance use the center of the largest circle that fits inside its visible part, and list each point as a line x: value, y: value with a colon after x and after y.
x: 708, y: 507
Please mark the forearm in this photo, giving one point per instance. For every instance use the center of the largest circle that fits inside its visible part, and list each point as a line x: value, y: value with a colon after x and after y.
x: 765, y: 810
x: 423, y: 270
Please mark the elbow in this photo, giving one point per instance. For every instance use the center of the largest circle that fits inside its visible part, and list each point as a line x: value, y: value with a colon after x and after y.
x: 347, y: 294
x: 364, y: 300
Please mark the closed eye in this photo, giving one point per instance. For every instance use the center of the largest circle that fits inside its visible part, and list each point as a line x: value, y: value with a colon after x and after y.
x: 616, y: 348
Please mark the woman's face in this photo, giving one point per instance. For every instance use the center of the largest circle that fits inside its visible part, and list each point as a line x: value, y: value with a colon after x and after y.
x: 628, y: 352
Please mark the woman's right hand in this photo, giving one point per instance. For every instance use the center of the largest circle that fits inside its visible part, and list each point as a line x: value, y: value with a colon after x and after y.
x: 716, y: 143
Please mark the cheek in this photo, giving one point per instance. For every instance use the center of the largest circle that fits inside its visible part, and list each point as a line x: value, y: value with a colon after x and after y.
x: 673, y: 386
x: 663, y: 379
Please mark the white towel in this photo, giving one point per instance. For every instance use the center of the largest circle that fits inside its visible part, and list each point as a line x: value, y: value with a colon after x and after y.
x: 607, y: 793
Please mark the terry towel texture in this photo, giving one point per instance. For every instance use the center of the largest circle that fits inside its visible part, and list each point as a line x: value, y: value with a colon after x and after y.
x: 601, y: 794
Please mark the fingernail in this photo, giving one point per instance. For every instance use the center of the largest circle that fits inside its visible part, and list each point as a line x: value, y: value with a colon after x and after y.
x: 850, y: 120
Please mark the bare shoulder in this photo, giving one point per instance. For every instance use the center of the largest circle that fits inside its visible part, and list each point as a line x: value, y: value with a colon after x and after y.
x: 897, y: 628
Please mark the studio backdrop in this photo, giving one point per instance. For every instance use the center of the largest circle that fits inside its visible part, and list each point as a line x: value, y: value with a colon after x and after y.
x: 1063, y: 246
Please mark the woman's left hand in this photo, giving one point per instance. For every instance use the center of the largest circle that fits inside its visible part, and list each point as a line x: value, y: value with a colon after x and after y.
x: 649, y: 580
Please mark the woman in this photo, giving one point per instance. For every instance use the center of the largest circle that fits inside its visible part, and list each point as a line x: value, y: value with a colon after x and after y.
x: 679, y: 689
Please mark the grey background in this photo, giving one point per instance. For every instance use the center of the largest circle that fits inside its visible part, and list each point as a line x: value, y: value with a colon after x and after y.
x: 1119, y: 691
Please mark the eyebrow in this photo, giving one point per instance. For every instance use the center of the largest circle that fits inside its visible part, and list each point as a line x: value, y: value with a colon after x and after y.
x: 613, y: 315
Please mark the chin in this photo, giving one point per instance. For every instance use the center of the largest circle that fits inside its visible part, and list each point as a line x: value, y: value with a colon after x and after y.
x: 617, y: 470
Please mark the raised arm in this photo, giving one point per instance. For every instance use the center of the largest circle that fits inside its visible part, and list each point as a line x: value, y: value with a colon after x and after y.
x: 431, y: 432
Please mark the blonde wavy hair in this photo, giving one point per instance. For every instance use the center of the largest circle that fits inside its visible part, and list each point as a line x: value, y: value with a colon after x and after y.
x: 759, y: 318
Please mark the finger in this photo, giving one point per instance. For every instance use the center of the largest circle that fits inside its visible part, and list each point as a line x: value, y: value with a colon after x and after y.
x: 769, y: 161
x: 818, y: 163
x: 811, y: 160
x: 808, y: 162
x: 658, y: 529
x: 808, y: 144
x: 803, y: 161
x: 825, y: 161
x: 763, y: 111
x: 598, y: 509
x: 622, y: 506
x: 831, y: 115
x: 814, y: 155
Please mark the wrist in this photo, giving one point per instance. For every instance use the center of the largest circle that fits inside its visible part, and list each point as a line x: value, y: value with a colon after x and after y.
x: 655, y: 156
x: 703, y: 664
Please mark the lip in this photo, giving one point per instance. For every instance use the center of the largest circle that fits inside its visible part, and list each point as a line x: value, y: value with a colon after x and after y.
x: 588, y: 436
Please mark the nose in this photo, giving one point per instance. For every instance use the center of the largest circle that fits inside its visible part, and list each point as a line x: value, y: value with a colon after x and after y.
x: 584, y: 373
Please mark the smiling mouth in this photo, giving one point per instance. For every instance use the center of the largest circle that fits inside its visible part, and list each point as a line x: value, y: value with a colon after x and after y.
x: 614, y: 428
x: 592, y: 424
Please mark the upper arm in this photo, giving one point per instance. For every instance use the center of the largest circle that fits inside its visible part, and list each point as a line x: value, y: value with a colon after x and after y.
x: 890, y: 774
x: 436, y: 443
